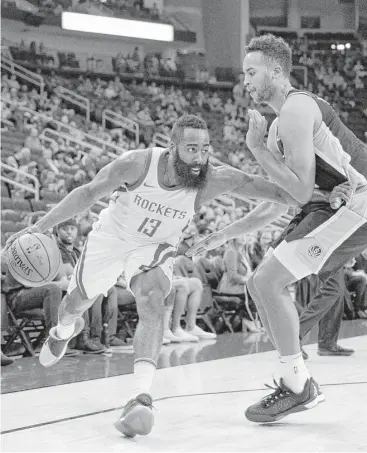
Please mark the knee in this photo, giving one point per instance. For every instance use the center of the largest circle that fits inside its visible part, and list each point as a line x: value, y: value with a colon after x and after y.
x: 182, y: 286
x: 171, y: 297
x: 195, y: 284
x: 112, y: 297
x: 266, y: 281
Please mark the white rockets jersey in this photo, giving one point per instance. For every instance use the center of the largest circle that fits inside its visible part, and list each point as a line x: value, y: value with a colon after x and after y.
x: 149, y: 212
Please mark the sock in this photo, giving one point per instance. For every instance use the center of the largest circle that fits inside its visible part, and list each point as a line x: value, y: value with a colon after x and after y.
x: 144, y: 371
x: 65, y: 332
x: 294, y: 372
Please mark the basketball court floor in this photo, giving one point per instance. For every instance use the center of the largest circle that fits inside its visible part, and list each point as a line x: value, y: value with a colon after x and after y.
x: 201, y: 391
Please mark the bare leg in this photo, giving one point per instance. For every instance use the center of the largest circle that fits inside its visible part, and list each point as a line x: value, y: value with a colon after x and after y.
x: 72, y: 307
x: 260, y: 308
x: 168, y: 309
x: 182, y: 292
x: 150, y: 289
x: 270, y: 281
x: 193, y: 302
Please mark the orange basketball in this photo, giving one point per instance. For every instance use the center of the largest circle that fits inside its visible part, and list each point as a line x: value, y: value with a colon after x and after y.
x: 34, y: 259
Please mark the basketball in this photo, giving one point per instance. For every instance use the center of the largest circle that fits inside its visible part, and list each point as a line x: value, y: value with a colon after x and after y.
x: 34, y: 259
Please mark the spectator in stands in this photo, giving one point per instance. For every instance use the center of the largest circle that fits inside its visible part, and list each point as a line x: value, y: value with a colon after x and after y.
x: 144, y: 118
x: 51, y: 184
x: 110, y: 91
x: 215, y: 103
x: 13, y: 83
x: 238, y: 90
x: 326, y: 310
x: 229, y: 132
x: 186, y: 294
x: 47, y: 297
x: 90, y: 338
x: 4, y: 310
x: 356, y: 281
x: 33, y: 142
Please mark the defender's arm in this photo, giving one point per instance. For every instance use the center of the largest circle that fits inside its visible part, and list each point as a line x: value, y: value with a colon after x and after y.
x: 296, y: 172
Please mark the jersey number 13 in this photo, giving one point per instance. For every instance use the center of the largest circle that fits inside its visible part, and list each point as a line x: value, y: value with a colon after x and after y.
x: 149, y: 226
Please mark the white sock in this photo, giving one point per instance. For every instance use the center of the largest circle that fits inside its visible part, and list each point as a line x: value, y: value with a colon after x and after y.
x: 65, y: 332
x: 144, y: 371
x: 294, y: 372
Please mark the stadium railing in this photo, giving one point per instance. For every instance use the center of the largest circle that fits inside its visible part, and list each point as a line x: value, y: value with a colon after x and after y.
x: 35, y: 190
x: 111, y: 149
x: 121, y: 121
x: 161, y: 140
x: 50, y: 133
x: 23, y: 73
x: 76, y: 99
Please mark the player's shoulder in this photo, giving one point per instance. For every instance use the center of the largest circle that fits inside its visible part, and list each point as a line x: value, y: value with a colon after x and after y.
x: 298, y: 104
x: 136, y: 157
x: 131, y: 164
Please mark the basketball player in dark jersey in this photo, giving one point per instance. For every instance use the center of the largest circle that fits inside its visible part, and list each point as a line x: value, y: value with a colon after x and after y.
x: 309, y: 152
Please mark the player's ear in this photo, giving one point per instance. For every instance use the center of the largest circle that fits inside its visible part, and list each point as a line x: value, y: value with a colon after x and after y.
x: 277, y: 72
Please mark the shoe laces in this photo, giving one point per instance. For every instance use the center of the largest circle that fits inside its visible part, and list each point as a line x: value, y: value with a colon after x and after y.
x: 280, y: 392
x: 145, y: 400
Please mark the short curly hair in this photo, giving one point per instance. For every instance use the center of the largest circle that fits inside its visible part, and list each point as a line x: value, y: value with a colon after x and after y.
x: 185, y: 122
x: 274, y: 49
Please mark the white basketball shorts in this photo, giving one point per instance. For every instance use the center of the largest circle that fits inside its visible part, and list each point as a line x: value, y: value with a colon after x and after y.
x: 106, y: 255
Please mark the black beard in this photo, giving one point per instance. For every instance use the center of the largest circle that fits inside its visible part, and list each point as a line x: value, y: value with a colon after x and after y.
x: 190, y: 181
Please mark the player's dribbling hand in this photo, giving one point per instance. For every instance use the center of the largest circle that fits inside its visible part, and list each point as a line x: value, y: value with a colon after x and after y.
x: 13, y: 237
x: 211, y: 242
x: 257, y: 129
x: 343, y: 192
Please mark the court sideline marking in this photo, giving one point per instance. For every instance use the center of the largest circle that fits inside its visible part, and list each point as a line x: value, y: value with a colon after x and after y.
x: 90, y: 414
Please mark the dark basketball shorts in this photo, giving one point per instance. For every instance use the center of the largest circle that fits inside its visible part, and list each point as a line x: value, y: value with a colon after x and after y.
x: 320, y: 240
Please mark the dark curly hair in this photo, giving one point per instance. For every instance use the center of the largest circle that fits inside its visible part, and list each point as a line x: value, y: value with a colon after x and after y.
x: 274, y: 49
x: 185, y: 122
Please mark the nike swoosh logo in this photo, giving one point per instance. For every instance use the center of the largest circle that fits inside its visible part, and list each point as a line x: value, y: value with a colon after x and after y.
x: 147, y: 185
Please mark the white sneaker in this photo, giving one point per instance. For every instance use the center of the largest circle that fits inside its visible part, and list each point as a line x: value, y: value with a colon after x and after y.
x: 170, y: 337
x: 184, y: 336
x: 201, y: 334
x: 166, y: 341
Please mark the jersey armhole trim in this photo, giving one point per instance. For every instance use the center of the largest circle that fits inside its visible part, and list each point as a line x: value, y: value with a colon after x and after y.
x: 197, y: 200
x: 145, y: 172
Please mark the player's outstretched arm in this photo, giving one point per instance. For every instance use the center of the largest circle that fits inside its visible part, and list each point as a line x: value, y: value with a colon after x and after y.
x: 259, y: 188
x: 261, y: 216
x: 226, y: 179
x: 124, y: 170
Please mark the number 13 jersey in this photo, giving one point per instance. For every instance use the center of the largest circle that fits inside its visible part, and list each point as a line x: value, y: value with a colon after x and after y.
x: 149, y: 212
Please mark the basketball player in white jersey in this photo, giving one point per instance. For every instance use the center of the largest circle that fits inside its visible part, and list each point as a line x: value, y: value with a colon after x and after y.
x: 155, y: 194
x: 309, y: 152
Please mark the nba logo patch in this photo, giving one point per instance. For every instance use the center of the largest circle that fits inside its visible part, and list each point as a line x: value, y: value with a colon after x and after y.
x: 314, y: 251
